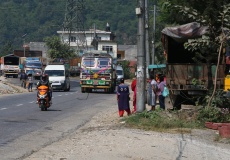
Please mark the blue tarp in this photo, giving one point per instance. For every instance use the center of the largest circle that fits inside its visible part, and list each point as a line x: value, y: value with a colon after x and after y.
x: 154, y: 66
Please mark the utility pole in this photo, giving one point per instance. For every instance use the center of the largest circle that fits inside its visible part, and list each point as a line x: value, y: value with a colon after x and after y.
x: 154, y: 30
x: 141, y: 67
x: 74, y: 23
x: 24, y: 46
x: 147, y: 38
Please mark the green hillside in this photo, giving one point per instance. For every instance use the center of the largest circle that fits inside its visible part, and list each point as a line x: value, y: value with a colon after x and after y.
x: 42, y: 18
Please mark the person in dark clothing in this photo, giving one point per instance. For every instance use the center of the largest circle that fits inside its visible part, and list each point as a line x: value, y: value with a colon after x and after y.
x: 123, y: 98
x: 159, y: 92
x: 45, y: 81
x: 23, y: 78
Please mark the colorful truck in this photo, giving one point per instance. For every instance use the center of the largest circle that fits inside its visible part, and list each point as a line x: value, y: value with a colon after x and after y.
x: 10, y: 65
x: 97, y: 72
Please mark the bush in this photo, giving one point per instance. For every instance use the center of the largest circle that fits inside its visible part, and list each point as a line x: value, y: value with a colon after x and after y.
x: 213, y: 114
x: 158, y: 120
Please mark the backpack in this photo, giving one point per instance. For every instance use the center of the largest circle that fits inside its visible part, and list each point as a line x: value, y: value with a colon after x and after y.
x: 165, y: 92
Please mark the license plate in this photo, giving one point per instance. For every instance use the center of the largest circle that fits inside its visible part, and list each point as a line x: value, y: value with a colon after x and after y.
x: 95, y: 82
x: 98, y: 90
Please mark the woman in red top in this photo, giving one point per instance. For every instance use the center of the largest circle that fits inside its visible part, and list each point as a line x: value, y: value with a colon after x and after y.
x: 133, y: 87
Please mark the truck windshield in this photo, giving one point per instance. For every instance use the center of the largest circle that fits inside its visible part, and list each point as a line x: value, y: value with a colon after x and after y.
x: 11, y: 60
x: 89, y: 62
x: 34, y: 64
x: 103, y: 62
x: 54, y: 73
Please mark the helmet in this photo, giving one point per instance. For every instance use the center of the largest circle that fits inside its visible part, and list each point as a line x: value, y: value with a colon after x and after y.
x: 44, y: 77
x: 47, y: 76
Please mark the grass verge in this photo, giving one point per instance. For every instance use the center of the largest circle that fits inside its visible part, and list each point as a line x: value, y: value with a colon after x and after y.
x: 164, y: 121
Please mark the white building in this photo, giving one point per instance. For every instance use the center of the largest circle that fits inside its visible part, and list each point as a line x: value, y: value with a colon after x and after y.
x: 92, y: 39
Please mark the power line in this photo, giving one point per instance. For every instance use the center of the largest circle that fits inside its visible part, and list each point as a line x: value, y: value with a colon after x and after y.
x: 74, y: 22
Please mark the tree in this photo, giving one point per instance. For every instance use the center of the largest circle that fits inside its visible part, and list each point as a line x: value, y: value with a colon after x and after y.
x: 7, y: 49
x: 209, y: 48
x: 57, y: 49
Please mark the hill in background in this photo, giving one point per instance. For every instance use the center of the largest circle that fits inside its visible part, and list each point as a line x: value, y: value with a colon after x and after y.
x: 41, y: 18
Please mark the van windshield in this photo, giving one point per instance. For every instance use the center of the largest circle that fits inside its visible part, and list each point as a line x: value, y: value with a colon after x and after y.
x: 54, y: 73
x: 119, y: 72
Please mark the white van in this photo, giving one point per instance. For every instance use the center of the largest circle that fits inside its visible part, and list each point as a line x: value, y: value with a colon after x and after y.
x: 119, y: 73
x: 58, y: 76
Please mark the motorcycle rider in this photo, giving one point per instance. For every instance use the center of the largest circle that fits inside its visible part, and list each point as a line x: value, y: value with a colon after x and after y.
x: 45, y: 81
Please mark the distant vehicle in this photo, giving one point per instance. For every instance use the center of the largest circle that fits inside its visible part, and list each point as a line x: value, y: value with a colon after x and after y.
x: 58, y: 76
x: 32, y: 63
x: 97, y: 72
x: 119, y: 73
x: 10, y: 65
x: 36, y: 73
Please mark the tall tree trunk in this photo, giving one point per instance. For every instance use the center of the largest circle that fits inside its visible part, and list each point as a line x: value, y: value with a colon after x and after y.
x: 210, y: 81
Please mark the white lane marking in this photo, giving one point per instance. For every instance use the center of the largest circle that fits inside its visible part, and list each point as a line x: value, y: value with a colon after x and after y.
x: 2, y: 109
x: 19, y: 105
x: 32, y: 102
x: 60, y: 95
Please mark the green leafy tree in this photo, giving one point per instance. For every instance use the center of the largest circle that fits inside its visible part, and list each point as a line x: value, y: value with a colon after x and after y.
x: 57, y: 49
x: 208, y: 46
x: 7, y: 49
x: 126, y: 68
x: 216, y: 17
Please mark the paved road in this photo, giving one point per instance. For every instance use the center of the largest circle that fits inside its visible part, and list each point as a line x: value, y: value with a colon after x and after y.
x: 25, y: 128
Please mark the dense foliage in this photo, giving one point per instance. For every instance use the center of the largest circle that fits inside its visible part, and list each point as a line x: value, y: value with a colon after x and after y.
x: 57, y: 49
x: 42, y: 18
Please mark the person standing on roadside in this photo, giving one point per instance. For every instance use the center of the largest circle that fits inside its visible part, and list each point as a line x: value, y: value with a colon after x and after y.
x: 23, y: 79
x: 153, y: 87
x: 161, y: 86
x: 30, y: 81
x: 133, y: 87
x: 123, y: 98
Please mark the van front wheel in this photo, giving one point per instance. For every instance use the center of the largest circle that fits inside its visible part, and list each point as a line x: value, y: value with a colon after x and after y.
x: 68, y: 88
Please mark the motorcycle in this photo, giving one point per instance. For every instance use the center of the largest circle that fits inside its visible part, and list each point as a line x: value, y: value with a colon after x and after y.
x: 43, y: 98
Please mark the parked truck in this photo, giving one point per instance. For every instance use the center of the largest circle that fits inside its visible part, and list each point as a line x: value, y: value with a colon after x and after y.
x: 10, y: 65
x: 97, y: 72
x: 186, y: 79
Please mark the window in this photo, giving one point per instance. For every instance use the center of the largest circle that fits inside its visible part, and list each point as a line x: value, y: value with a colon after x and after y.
x: 55, y: 73
x: 88, y: 62
x: 118, y: 56
x: 107, y: 48
x: 103, y: 62
x: 72, y: 39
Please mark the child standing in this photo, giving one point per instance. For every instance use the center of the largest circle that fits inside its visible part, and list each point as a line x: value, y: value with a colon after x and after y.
x: 30, y: 81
